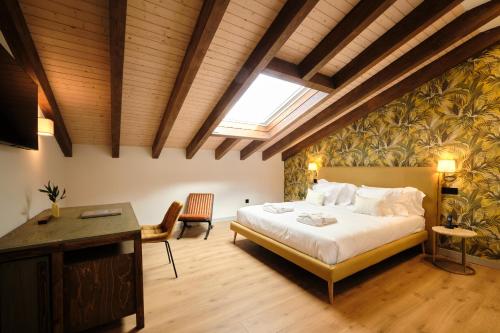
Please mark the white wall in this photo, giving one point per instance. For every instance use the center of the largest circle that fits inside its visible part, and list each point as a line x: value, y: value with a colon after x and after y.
x: 91, y: 176
x: 22, y: 172
x: 152, y: 184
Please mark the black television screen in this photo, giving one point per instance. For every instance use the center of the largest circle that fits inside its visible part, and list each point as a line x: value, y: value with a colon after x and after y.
x: 18, y: 104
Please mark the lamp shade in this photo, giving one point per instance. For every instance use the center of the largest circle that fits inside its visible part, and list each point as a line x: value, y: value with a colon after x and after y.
x: 45, y: 127
x: 446, y: 166
x: 312, y: 167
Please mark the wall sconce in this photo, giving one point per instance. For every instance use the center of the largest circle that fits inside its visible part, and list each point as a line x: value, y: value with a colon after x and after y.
x: 45, y: 127
x: 447, y: 166
x: 313, y: 167
x: 443, y: 167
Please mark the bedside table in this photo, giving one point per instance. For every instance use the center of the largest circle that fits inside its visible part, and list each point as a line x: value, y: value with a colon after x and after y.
x: 448, y: 265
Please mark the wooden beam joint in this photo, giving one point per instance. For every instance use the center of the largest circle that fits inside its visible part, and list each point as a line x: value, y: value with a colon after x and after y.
x: 288, y: 71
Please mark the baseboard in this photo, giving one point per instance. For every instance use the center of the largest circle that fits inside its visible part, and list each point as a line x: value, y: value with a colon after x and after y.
x: 224, y: 219
x: 457, y: 256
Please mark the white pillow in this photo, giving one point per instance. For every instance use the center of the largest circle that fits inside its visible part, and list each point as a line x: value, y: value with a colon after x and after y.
x: 330, y: 190
x: 341, y: 194
x: 412, y: 198
x: 321, y: 186
x: 369, y: 206
x: 398, y: 201
x: 315, y: 197
x: 332, y: 195
x: 346, y: 195
x: 417, y: 199
x: 389, y: 203
x: 382, y: 195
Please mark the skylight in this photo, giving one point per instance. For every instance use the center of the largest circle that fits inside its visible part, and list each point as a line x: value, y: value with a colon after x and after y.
x: 266, y: 98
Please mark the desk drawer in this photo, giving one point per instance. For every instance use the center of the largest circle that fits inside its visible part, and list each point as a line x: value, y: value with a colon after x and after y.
x: 98, y: 291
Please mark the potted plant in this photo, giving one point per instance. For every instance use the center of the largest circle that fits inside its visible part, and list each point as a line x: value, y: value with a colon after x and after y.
x: 53, y: 194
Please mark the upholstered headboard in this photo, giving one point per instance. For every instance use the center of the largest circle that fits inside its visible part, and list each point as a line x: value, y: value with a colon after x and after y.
x: 425, y: 179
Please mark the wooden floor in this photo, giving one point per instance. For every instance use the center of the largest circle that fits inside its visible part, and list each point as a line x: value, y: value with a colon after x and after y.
x: 224, y: 287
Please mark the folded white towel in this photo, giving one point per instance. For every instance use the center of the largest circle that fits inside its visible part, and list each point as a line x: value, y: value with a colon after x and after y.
x: 316, y: 219
x: 277, y: 208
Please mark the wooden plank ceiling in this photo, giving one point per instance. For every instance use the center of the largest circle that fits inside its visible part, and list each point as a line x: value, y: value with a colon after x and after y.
x: 72, y: 40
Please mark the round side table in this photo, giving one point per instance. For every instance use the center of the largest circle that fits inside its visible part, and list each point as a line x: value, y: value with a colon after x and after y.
x: 448, y: 265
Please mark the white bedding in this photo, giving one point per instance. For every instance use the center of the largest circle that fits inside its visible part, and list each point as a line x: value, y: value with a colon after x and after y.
x: 353, y: 233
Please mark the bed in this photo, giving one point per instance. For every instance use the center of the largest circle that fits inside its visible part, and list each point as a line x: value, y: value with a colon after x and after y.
x: 339, y: 250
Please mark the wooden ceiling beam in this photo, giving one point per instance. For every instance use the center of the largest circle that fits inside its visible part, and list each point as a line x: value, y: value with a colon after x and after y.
x: 17, y: 35
x: 208, y: 22
x: 360, y: 17
x: 251, y: 148
x: 427, y: 73
x: 288, y: 19
x: 225, y: 147
x: 411, y: 25
x: 288, y: 71
x: 459, y: 28
x: 117, y: 23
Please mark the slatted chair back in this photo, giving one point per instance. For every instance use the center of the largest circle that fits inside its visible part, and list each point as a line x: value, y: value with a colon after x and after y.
x: 200, y: 204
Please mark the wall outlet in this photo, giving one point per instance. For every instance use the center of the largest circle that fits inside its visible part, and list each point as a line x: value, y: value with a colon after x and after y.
x: 247, y: 201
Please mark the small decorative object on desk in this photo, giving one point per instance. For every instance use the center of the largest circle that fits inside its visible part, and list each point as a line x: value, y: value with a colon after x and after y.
x: 53, y: 194
x: 44, y: 219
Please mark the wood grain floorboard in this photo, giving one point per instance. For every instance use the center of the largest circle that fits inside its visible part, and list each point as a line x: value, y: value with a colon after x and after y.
x: 224, y: 287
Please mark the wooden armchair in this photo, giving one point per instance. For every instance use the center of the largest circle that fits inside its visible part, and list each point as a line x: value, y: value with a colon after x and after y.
x: 198, y: 210
x: 161, y: 232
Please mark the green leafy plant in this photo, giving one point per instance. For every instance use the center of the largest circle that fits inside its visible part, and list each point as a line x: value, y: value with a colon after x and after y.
x: 53, y: 192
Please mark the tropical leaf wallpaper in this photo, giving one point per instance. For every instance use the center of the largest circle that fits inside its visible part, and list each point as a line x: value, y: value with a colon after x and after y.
x: 454, y: 116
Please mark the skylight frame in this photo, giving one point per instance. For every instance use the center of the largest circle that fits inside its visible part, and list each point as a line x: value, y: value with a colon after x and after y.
x: 294, y: 111
x: 283, y: 106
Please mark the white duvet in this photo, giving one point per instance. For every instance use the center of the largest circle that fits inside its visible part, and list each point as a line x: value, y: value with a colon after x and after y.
x: 353, y: 233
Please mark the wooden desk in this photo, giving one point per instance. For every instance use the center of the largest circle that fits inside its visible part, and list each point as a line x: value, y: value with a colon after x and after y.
x: 92, y: 268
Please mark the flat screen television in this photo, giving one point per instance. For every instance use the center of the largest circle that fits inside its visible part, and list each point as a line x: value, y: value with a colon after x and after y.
x: 18, y: 104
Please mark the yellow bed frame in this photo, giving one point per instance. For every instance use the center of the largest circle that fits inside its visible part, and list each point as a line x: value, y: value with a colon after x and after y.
x: 425, y: 179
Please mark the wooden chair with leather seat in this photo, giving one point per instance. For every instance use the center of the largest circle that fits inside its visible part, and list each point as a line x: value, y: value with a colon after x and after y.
x: 161, y: 232
x: 198, y: 210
